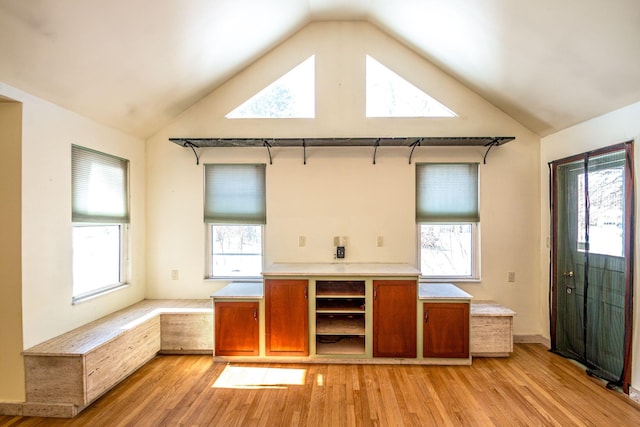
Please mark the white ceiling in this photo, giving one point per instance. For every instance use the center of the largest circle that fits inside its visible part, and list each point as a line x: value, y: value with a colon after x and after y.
x: 136, y: 64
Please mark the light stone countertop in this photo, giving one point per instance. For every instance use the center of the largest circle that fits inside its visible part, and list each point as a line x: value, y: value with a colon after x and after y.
x: 491, y: 309
x: 442, y: 291
x: 241, y: 290
x: 93, y: 334
x: 341, y: 269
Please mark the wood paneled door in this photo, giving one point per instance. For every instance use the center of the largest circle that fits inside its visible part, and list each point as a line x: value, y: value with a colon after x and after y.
x: 394, y: 318
x: 236, y: 329
x: 445, y: 330
x: 286, y: 317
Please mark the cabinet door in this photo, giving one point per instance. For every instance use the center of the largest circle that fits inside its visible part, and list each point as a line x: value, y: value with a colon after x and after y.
x: 236, y: 331
x: 446, y: 330
x: 394, y: 318
x: 286, y: 317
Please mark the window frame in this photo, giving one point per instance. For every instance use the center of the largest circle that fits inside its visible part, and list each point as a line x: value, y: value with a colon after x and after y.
x: 435, y: 216
x: 209, y: 262
x: 101, y: 221
x: 246, y: 183
x: 475, y: 254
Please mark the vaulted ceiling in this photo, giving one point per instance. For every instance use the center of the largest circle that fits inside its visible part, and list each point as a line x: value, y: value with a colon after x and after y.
x: 136, y: 64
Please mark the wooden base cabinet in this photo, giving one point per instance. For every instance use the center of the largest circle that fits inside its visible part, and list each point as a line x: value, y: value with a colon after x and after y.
x: 237, y: 329
x: 286, y: 317
x: 394, y: 318
x: 445, y: 330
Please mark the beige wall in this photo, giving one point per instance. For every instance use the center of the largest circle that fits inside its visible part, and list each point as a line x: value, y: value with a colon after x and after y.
x: 47, y: 134
x: 11, y: 369
x: 340, y: 191
x: 618, y: 126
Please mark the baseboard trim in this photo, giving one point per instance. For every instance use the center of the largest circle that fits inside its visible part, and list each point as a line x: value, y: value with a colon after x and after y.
x: 53, y: 410
x: 532, y: 339
x: 634, y: 394
x: 12, y: 409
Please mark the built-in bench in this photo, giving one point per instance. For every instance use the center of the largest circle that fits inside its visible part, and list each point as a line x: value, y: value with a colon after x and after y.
x: 491, y: 329
x: 67, y: 373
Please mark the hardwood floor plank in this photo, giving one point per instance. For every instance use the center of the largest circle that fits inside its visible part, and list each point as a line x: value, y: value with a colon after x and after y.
x: 532, y: 387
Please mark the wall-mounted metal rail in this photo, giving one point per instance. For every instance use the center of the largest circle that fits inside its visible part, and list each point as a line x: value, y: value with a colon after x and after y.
x: 412, y: 142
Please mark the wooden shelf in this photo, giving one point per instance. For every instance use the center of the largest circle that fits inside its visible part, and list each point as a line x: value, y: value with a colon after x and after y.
x: 340, y: 289
x: 344, y: 310
x: 340, y: 305
x: 340, y: 317
x: 340, y: 325
x: 340, y: 345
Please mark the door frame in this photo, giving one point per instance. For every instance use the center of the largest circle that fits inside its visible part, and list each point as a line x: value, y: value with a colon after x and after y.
x: 628, y: 247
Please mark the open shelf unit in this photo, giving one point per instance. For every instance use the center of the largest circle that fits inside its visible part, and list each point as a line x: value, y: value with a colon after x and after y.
x: 340, y: 317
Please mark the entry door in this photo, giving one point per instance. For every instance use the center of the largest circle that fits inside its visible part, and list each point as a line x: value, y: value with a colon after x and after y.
x: 591, y: 274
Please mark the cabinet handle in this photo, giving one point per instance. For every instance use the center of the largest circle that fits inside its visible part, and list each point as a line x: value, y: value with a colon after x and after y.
x: 426, y: 315
x: 306, y: 296
x: 255, y: 314
x: 375, y: 293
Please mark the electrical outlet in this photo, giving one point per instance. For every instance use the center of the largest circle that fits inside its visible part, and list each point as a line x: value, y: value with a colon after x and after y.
x: 511, y: 277
x: 340, y: 252
x: 302, y: 240
x: 174, y: 274
x: 380, y: 241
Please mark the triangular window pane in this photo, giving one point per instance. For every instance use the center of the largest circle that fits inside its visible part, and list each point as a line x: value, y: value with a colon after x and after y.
x: 389, y: 95
x: 291, y: 96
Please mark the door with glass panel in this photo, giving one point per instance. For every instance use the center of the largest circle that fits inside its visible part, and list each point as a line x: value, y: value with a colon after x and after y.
x: 591, y: 260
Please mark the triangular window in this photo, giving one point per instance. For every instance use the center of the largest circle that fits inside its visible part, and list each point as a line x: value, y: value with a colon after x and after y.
x: 389, y: 95
x: 291, y: 96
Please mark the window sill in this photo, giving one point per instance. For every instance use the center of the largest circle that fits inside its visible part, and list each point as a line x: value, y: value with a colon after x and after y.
x: 448, y: 280
x: 256, y: 279
x: 98, y: 293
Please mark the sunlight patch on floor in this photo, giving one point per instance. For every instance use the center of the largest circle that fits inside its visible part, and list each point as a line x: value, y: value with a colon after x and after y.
x: 257, y: 377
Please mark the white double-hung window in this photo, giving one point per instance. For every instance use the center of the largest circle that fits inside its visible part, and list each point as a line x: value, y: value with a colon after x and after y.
x: 448, y: 218
x: 100, y: 217
x: 235, y: 215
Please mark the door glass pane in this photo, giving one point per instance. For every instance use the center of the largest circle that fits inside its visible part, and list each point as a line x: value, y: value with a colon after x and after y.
x: 606, y: 207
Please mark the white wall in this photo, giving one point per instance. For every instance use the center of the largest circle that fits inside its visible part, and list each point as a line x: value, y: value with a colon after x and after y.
x: 618, y: 126
x: 48, y: 132
x: 340, y: 191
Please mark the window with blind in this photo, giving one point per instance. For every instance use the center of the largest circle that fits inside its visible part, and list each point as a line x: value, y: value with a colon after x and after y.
x: 235, y: 213
x: 100, y: 215
x: 448, y: 217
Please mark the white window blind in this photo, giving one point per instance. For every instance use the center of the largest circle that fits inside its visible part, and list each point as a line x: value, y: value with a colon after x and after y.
x: 235, y: 193
x: 99, y: 187
x: 447, y: 192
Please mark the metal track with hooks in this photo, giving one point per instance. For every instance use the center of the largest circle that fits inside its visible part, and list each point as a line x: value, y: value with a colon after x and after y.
x: 412, y: 142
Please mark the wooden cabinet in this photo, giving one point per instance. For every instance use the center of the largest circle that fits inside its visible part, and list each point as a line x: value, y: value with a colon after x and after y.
x: 394, y: 318
x: 286, y: 317
x: 237, y: 329
x: 445, y: 330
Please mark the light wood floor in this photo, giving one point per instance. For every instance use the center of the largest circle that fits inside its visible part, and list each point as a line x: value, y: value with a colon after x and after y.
x: 532, y: 387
